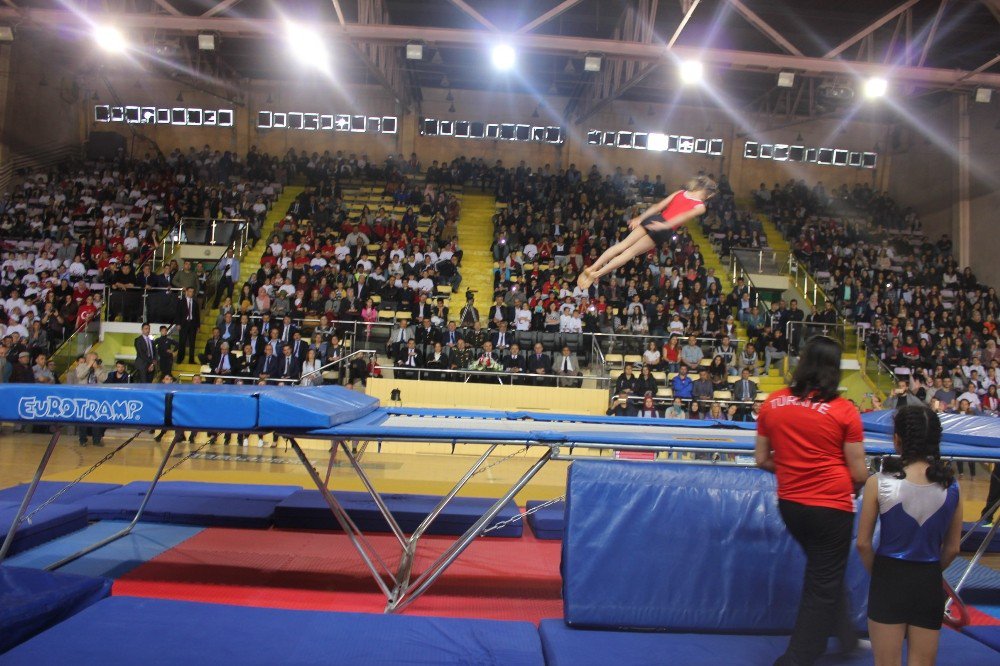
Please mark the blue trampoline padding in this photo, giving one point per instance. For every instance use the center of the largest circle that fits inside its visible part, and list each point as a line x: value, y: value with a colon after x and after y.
x: 126, y: 630
x: 972, y: 544
x: 47, y: 489
x: 307, y: 510
x: 565, y: 646
x: 53, y: 521
x: 313, y: 407
x: 982, y: 585
x: 31, y: 600
x: 981, y: 431
x: 184, y: 510
x: 683, y: 548
x: 547, y: 523
x: 114, y: 560
x: 206, y: 407
x: 206, y: 489
x: 109, y: 404
x: 987, y: 635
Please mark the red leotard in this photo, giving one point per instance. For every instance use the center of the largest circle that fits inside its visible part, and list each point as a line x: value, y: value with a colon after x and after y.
x: 681, y: 203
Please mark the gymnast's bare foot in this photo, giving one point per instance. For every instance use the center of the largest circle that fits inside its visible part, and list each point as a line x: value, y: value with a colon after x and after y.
x: 585, y: 280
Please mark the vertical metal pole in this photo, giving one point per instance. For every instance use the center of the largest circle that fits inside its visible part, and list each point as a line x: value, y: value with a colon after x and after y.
x: 43, y: 463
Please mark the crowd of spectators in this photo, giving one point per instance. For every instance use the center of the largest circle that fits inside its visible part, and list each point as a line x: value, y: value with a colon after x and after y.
x: 69, y: 232
x: 928, y: 320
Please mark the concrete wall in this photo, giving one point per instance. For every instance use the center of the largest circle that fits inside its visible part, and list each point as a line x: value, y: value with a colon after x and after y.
x: 984, y: 191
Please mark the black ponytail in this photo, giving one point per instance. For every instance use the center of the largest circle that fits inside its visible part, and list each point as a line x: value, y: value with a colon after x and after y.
x: 919, y: 431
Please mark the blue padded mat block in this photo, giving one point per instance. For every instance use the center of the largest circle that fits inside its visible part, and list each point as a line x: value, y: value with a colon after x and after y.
x: 114, y: 560
x: 205, y: 489
x: 32, y: 600
x: 547, y: 523
x: 47, y: 489
x: 988, y: 636
x: 307, y: 509
x: 184, y: 510
x: 704, y: 547
x: 565, y: 646
x: 53, y: 521
x: 974, y: 541
x: 982, y: 585
x: 126, y: 630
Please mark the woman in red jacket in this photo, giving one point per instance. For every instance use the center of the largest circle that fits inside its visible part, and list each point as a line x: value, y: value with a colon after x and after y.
x: 812, y: 439
x: 649, y: 233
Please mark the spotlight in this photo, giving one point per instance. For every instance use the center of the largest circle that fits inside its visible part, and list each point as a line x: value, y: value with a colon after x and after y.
x: 306, y: 46
x: 180, y: 96
x: 876, y: 87
x: 786, y: 79
x: 110, y: 39
x: 414, y: 51
x: 657, y: 142
x: 983, y: 95
x: 592, y: 63
x: 6, y: 33
x: 503, y: 57
x: 206, y: 42
x: 691, y: 71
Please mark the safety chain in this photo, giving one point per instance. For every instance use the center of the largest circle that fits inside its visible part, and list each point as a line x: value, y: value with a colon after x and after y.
x: 523, y: 449
x: 522, y: 516
x: 186, y: 457
x: 106, y: 458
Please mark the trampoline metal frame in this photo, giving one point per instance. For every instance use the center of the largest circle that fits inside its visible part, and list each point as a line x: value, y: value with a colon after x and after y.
x: 400, y: 591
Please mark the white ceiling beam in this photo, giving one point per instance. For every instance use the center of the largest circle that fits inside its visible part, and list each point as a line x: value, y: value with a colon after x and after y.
x: 476, y: 16
x: 691, y: 6
x: 932, y: 34
x: 762, y: 25
x: 549, y: 15
x: 167, y: 7
x: 340, y: 12
x: 556, y: 44
x: 872, y: 27
x: 220, y: 7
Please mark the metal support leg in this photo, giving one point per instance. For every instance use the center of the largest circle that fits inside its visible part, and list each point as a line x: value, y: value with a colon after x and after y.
x: 379, y: 502
x: 410, y: 547
x: 977, y: 555
x: 9, y: 539
x: 350, y: 529
x: 426, y: 579
x: 125, y: 531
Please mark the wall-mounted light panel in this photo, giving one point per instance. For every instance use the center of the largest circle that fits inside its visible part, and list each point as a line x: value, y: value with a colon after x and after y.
x: 151, y: 115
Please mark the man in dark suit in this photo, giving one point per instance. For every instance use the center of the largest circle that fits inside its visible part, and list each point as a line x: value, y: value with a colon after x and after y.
x: 744, y: 390
x: 502, y: 338
x: 539, y: 363
x: 248, y: 363
x: 230, y: 329
x: 421, y: 309
x: 288, y: 330
x: 289, y: 366
x: 255, y: 340
x: 409, y: 357
x: 267, y: 365
x: 499, y: 312
x: 211, y: 348
x: 299, y: 347
x: 188, y: 320
x: 427, y: 334
x: 225, y: 362
x: 166, y: 348
x: 451, y: 336
x: 145, y: 357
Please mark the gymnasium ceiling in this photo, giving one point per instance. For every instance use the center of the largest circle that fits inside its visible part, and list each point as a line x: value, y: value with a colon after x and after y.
x: 965, y: 35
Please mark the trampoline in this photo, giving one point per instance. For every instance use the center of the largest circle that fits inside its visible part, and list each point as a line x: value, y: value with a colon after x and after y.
x: 349, y: 421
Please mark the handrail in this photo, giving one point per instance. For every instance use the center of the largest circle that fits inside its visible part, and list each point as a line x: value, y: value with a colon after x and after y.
x: 761, y: 252
x: 738, y: 271
x: 322, y: 369
x: 499, y: 374
x: 110, y: 291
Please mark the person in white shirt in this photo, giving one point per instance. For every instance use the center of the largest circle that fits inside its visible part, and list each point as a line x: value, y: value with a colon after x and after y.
x: 570, y: 322
x: 522, y: 317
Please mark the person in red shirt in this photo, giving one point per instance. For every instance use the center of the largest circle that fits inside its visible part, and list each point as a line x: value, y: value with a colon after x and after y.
x: 812, y: 440
x: 647, y: 234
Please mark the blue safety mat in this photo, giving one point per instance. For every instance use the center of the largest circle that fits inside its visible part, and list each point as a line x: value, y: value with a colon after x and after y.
x: 207, y: 489
x: 114, y: 560
x: 31, y: 600
x: 683, y: 548
x: 184, y: 510
x: 47, y: 489
x: 153, y: 632
x: 988, y: 636
x: 308, y: 510
x: 547, y: 523
x: 53, y: 521
x: 972, y: 544
x: 982, y: 586
x: 312, y: 407
x: 566, y: 646
x: 981, y: 431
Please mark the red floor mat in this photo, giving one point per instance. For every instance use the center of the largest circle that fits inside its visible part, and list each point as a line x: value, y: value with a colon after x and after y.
x: 507, y: 579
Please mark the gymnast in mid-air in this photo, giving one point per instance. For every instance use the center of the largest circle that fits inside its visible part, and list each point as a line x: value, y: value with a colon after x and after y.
x: 653, y: 228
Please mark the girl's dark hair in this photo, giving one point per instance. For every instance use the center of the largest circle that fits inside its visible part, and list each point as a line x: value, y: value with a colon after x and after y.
x: 919, y: 432
x: 818, y: 372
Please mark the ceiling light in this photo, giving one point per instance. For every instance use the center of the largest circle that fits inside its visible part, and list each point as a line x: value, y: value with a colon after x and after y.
x: 798, y: 138
x: 206, y: 42
x: 437, y: 60
x: 786, y: 79
x: 110, y: 39
x: 691, y: 71
x: 983, y: 95
x: 449, y: 97
x: 569, y: 68
x: 592, y: 63
x: 503, y: 57
x: 876, y: 87
x: 180, y: 96
x: 6, y: 33
x: 451, y: 109
x: 414, y: 51
x: 657, y: 142
x: 306, y: 46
